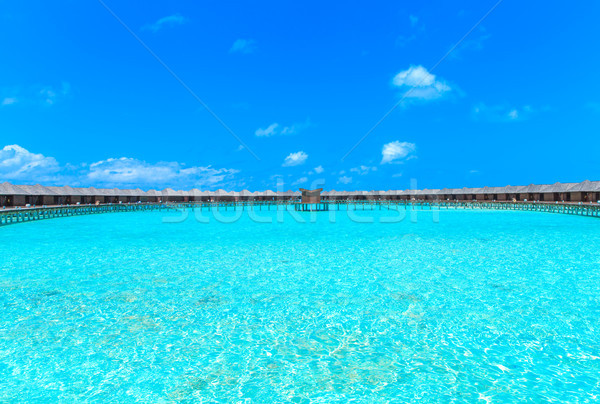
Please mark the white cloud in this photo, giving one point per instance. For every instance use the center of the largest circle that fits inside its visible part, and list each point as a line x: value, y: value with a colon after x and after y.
x: 415, y: 76
x: 132, y: 172
x: 169, y: 21
x: 319, y: 169
x: 345, y: 180
x: 9, y: 101
x: 501, y: 113
x: 17, y: 163
x: 276, y: 129
x: 244, y: 46
x: 418, y: 83
x: 295, y: 159
x: 397, y: 175
x: 300, y: 181
x: 363, y: 170
x: 396, y: 151
x: 270, y: 130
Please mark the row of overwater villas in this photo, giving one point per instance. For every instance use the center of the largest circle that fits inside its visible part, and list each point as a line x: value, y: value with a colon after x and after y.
x: 23, y: 195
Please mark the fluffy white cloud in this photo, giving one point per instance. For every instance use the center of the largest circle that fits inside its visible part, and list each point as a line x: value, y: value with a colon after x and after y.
x: 169, y: 21
x: 133, y: 172
x: 363, y: 170
x: 295, y: 159
x: 319, y: 169
x: 17, y: 163
x: 243, y: 46
x: 418, y: 83
x: 396, y: 151
x: 345, y: 180
x: 414, y: 76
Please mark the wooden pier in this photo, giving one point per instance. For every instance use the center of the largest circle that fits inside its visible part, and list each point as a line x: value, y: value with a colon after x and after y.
x: 20, y: 215
x: 311, y: 207
x: 10, y: 216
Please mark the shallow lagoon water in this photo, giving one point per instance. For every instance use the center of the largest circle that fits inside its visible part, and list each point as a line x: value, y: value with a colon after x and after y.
x: 495, y: 306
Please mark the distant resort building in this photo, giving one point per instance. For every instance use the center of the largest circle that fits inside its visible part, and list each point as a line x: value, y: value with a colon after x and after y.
x: 38, y: 195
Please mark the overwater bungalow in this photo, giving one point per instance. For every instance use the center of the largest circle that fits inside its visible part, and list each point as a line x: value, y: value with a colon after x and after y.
x: 170, y: 195
x: 38, y: 195
x: 586, y: 191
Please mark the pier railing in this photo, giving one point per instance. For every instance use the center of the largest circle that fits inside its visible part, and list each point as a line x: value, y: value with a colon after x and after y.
x: 19, y: 215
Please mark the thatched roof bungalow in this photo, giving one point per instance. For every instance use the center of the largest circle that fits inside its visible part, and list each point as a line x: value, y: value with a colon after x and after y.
x: 586, y: 191
x: 38, y: 195
x: 170, y: 195
x: 13, y: 195
x: 21, y: 195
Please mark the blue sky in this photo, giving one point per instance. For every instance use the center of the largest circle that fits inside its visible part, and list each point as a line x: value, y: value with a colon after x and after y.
x: 83, y: 102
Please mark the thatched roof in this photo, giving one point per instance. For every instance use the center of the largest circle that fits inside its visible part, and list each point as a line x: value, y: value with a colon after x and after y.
x: 171, y: 192
x: 86, y: 191
x: 107, y: 192
x: 512, y: 189
x: 532, y: 188
x: 11, y: 189
x: 560, y: 187
x: 586, y: 186
x: 459, y: 191
x: 74, y: 191
x: 36, y: 190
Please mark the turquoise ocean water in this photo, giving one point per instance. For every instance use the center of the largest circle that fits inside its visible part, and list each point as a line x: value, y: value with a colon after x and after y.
x: 472, y: 306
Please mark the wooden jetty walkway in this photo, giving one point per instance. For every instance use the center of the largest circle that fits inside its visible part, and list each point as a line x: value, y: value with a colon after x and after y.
x: 20, y: 215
